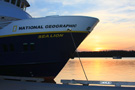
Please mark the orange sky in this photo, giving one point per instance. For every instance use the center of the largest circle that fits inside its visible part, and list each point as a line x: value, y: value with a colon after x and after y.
x: 111, y: 33
x: 110, y: 36
x: 115, y: 31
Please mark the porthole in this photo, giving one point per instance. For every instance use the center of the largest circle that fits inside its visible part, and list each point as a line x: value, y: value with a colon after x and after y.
x: 11, y: 47
x: 25, y: 46
x: 5, y: 48
x: 32, y: 46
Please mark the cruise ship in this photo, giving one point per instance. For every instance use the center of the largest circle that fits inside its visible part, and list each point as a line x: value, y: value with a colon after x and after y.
x: 38, y: 47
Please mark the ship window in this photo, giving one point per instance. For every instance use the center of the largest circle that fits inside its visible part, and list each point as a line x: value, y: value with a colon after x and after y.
x: 11, y: 47
x: 22, y: 5
x: 25, y: 46
x: 32, y: 46
x: 13, y: 1
x: 2, y: 17
x: 24, y: 8
x: 6, y: 0
x: 18, y: 3
x: 5, y: 48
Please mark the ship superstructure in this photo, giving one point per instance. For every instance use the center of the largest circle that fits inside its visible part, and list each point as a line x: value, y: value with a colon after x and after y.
x: 11, y: 10
x: 38, y: 47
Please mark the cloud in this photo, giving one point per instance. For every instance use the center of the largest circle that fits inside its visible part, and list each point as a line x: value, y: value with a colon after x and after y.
x: 110, y: 15
x: 68, y: 2
x: 129, y: 48
x: 117, y: 18
x: 102, y: 8
x: 115, y: 3
x: 32, y: 1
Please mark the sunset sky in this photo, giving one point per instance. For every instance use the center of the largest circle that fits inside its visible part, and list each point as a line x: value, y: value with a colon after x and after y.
x: 115, y: 31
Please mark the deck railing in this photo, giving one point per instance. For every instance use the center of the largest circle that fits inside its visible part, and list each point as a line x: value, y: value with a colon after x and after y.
x: 87, y: 83
x: 28, y: 79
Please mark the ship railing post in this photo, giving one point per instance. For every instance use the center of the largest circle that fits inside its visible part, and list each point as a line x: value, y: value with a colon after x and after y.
x: 85, y: 84
x: 117, y: 85
x: 16, y: 2
x: 9, y: 1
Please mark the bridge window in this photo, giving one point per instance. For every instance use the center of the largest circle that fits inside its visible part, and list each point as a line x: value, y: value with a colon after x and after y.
x: 13, y: 2
x: 18, y: 3
x: 24, y: 8
x: 22, y: 5
x: 6, y: 0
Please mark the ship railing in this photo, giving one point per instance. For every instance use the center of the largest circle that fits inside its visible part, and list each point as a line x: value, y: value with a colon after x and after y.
x: 102, y: 83
x: 27, y: 79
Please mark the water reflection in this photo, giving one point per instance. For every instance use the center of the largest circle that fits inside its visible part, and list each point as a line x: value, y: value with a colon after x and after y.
x: 99, y: 69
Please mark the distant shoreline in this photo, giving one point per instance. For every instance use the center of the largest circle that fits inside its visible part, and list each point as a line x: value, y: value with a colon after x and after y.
x: 105, y: 54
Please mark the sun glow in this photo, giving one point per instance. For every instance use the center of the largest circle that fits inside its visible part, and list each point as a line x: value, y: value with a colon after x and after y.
x: 98, y: 49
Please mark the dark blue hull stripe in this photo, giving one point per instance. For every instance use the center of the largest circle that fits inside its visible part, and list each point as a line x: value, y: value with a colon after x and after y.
x: 37, y: 55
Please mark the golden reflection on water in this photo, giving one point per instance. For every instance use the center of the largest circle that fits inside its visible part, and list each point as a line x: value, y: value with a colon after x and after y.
x: 106, y: 69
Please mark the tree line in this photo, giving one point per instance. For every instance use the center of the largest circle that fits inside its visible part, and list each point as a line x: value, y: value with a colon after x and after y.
x: 111, y: 53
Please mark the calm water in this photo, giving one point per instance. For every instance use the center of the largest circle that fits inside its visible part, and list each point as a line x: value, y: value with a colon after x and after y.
x: 99, y: 69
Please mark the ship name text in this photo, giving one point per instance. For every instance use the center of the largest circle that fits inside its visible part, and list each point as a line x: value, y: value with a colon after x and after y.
x: 47, y: 26
x: 31, y: 27
x: 50, y: 36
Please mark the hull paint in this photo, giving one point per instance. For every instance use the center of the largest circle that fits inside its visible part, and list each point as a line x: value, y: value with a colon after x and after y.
x: 32, y: 70
x: 38, y: 55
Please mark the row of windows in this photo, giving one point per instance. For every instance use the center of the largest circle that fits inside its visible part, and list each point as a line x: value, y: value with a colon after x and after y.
x: 18, y: 3
x: 5, y: 47
x: 26, y: 47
